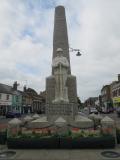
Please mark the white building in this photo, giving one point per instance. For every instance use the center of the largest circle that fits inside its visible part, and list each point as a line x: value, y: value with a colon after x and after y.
x: 5, y: 98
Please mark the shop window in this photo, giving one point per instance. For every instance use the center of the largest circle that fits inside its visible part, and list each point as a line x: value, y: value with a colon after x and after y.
x: 119, y: 92
x: 17, y: 98
x: 114, y: 93
x: 7, y: 97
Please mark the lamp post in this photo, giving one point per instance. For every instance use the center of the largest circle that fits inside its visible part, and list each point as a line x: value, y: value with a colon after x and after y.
x: 76, y: 50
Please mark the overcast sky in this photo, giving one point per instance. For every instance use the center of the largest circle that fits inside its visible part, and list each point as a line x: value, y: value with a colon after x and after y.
x: 26, y: 35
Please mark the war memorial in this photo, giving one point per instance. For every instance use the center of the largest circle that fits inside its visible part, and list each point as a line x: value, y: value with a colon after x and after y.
x: 61, y: 89
x: 61, y: 127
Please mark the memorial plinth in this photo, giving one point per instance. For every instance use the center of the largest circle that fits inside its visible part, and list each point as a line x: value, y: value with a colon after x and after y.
x: 61, y: 92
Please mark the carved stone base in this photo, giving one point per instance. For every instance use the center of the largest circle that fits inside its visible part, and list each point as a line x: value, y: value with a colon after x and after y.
x: 64, y: 110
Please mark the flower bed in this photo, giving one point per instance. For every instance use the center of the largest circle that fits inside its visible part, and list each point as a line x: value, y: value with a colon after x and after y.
x: 33, y: 141
x: 70, y: 140
x: 87, y: 139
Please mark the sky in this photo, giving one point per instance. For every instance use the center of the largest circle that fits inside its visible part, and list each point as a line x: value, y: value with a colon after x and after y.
x: 26, y: 39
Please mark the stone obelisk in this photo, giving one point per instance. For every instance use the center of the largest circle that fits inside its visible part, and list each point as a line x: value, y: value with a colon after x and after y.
x: 61, y: 92
x: 60, y: 35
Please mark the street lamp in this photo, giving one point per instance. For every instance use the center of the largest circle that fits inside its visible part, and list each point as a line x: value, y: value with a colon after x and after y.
x: 76, y: 50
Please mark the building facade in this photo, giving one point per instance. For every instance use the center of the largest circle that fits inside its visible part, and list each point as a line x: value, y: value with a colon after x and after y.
x: 90, y: 102
x: 106, y: 98
x: 27, y: 101
x: 16, y: 98
x: 115, y: 92
x: 17, y: 101
x: 5, y: 99
x: 10, y: 98
x: 32, y: 102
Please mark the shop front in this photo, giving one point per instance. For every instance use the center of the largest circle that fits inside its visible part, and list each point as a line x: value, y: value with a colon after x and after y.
x: 116, y: 102
x: 5, y: 107
x: 27, y: 109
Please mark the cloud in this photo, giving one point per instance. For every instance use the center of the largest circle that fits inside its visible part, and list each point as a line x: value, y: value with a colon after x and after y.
x: 26, y: 33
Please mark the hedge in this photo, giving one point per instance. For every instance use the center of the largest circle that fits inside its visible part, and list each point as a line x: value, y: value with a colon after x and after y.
x: 41, y: 143
x: 61, y: 142
x: 3, y: 137
x: 94, y: 142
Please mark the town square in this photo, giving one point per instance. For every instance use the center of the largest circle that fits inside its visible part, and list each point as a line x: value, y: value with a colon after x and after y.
x: 64, y: 104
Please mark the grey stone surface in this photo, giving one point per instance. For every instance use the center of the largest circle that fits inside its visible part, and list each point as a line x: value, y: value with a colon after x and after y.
x: 72, y: 89
x: 67, y: 111
x: 83, y: 154
x: 50, y: 89
x: 60, y: 40
x: 60, y: 35
x: 60, y: 66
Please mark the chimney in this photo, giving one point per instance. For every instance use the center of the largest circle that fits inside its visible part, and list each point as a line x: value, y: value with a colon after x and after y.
x: 118, y: 77
x: 15, y: 85
x: 24, y: 89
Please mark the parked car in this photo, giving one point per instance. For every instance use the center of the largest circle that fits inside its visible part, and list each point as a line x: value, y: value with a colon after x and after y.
x: 107, y: 110
x: 86, y: 110
x: 14, y: 114
x: 82, y: 114
x: 93, y: 110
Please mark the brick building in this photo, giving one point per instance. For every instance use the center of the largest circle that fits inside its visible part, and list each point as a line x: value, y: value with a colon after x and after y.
x: 90, y: 102
x: 106, y: 98
x: 32, y: 102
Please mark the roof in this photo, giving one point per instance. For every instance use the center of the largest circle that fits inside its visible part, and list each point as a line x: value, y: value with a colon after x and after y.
x: 17, y: 92
x: 115, y: 85
x: 9, y: 89
x: 31, y: 91
x: 5, y: 88
x: 105, y: 87
x: 91, y: 98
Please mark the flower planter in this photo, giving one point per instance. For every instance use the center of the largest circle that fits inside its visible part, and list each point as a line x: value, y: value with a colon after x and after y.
x: 3, y: 137
x: 33, y: 143
x: 65, y: 142
x: 94, y: 142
